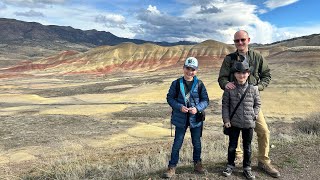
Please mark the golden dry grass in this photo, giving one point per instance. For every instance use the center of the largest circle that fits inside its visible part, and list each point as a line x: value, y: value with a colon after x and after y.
x: 135, y: 141
x: 24, y: 98
x: 291, y: 102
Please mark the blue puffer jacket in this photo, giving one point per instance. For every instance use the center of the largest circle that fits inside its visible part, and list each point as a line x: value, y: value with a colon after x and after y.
x: 179, y: 118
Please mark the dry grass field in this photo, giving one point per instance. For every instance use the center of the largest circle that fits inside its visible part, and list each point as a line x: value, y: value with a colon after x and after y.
x: 118, y: 126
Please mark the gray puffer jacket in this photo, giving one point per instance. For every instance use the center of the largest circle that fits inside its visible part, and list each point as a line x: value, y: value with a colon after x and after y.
x: 248, y: 110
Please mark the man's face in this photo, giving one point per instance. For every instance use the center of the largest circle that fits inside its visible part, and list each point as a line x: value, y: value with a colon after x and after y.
x: 241, y: 41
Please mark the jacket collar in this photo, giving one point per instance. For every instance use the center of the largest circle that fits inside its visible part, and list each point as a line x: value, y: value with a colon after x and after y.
x: 248, y: 54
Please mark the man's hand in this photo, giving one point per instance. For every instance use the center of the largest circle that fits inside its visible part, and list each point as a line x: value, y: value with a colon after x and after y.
x: 230, y: 85
x: 184, y: 109
x: 193, y: 110
x: 227, y: 125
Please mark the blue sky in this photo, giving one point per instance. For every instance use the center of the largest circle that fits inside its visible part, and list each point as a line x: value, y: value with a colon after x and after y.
x: 175, y: 20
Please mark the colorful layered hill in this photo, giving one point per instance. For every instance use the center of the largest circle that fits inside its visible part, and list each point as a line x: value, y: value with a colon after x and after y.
x: 126, y: 57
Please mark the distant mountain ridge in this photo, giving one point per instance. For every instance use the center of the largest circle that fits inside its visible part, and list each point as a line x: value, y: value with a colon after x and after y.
x: 16, y: 32
x: 32, y: 33
x: 21, y: 40
x: 309, y: 40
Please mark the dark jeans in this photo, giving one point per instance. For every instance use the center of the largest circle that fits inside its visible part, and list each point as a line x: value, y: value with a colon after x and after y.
x: 233, y: 142
x: 178, y: 141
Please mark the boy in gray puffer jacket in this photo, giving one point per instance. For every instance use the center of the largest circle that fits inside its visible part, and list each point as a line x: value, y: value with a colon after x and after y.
x: 243, y: 119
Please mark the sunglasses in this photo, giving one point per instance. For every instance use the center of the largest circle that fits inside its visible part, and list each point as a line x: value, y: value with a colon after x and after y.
x: 238, y: 40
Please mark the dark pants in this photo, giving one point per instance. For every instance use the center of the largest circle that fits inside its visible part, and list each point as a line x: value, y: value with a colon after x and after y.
x: 233, y: 142
x: 178, y: 141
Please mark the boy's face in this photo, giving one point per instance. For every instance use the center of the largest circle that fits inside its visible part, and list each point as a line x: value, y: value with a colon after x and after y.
x: 189, y: 73
x: 242, y: 76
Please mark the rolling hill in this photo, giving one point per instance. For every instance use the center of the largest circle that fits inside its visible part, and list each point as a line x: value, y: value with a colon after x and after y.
x: 310, y: 40
x: 124, y: 57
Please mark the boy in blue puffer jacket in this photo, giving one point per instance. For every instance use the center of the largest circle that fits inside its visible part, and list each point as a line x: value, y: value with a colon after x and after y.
x: 187, y: 96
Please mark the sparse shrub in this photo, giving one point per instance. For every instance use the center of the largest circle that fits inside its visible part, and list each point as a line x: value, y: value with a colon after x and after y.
x: 310, y: 125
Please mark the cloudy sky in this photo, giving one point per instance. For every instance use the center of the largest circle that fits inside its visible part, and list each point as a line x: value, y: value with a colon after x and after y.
x: 175, y: 20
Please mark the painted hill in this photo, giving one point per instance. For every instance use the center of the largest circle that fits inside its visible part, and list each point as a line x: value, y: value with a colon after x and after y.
x: 303, y: 44
x: 149, y: 57
x: 299, y: 52
x: 126, y: 56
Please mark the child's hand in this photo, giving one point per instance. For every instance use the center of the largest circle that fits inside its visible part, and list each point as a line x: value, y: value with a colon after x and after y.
x: 193, y: 110
x: 227, y: 125
x: 184, y: 109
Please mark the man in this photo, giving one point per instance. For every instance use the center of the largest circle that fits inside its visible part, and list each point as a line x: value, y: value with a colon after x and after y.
x: 260, y: 76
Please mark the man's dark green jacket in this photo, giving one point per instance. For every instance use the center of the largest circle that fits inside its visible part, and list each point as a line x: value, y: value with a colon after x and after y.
x: 260, y: 73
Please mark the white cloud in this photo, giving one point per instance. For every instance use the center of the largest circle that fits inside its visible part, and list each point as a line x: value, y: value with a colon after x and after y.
x: 111, y: 20
x: 153, y: 9
x: 262, y: 11
x: 198, y: 20
x: 33, y: 3
x: 2, y: 6
x: 260, y: 32
x: 197, y: 26
x: 291, y: 32
x: 30, y: 13
x: 79, y: 16
x: 157, y: 26
x: 272, y: 4
x: 219, y: 25
x: 209, y: 10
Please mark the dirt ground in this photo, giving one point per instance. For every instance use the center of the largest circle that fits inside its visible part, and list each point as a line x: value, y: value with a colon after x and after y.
x: 48, y: 117
x: 297, y: 159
